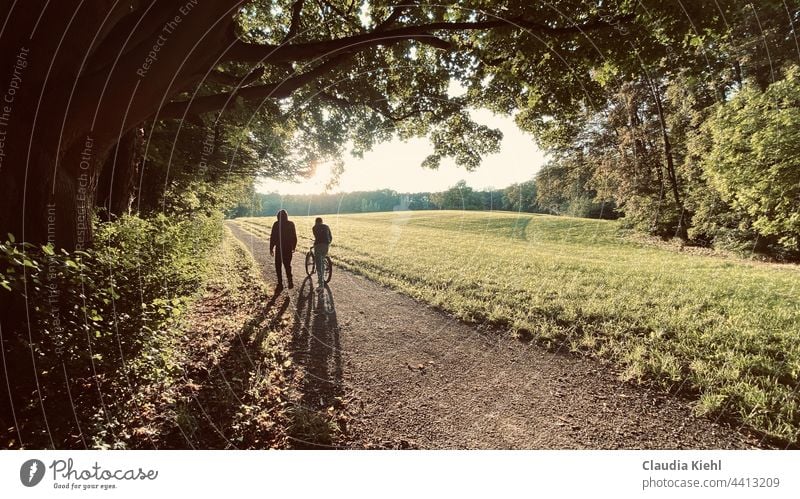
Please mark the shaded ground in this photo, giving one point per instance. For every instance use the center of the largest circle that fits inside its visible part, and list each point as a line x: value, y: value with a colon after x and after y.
x: 234, y: 380
x: 382, y: 370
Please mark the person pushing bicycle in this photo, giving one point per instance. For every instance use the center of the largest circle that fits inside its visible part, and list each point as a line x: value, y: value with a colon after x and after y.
x: 322, y: 240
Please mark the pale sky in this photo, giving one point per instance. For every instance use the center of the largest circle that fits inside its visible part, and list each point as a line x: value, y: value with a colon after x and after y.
x: 396, y: 165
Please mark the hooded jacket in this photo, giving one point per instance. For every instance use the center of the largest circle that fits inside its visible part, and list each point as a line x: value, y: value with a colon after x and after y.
x: 283, y: 235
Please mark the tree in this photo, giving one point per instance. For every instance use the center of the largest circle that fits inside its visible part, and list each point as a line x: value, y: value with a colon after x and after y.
x: 87, y: 74
x: 421, y: 201
x: 563, y: 188
x: 749, y: 151
x: 521, y: 197
x: 622, y: 127
x: 459, y: 197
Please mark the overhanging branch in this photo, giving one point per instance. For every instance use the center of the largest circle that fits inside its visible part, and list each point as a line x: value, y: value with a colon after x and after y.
x: 250, y: 52
x: 394, y: 16
x: 278, y: 90
x: 224, y: 78
x: 341, y: 49
x: 344, y: 103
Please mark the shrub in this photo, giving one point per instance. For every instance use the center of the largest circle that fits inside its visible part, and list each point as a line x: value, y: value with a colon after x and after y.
x: 99, y: 323
x: 749, y: 152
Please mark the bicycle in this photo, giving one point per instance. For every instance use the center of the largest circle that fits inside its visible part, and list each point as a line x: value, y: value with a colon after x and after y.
x: 311, y: 265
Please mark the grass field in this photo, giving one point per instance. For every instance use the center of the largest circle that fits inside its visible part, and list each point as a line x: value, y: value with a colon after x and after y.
x: 725, y: 330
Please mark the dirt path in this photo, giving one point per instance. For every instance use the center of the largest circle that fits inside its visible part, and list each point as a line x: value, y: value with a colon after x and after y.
x: 405, y: 375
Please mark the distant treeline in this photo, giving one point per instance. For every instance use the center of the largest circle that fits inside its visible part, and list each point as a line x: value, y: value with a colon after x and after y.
x: 517, y: 197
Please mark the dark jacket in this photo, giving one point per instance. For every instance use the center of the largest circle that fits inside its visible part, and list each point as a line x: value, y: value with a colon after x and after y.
x: 283, y: 235
x: 322, y: 234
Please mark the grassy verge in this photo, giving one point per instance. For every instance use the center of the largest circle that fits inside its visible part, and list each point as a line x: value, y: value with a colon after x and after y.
x: 726, y: 330
x: 231, y: 373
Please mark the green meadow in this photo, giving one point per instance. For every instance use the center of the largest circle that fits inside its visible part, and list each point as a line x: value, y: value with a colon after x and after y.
x: 726, y: 331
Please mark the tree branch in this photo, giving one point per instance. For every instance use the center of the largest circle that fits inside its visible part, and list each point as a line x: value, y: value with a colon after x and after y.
x: 224, y: 78
x: 342, y: 102
x: 396, y: 13
x: 351, y: 7
x: 346, y: 18
x: 297, y: 9
x: 129, y: 32
x: 250, y: 52
x: 278, y: 90
x: 131, y: 87
x: 270, y: 54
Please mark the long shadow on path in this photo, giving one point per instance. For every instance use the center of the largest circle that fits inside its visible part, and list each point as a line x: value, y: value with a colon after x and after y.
x: 316, y: 349
x: 225, y: 377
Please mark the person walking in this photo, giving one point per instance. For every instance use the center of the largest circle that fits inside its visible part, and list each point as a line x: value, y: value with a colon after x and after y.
x: 282, y: 243
x: 322, y: 240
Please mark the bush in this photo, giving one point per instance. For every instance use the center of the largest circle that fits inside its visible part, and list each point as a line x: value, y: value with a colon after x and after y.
x: 100, y: 323
x: 588, y: 207
x: 749, y: 152
x: 651, y: 216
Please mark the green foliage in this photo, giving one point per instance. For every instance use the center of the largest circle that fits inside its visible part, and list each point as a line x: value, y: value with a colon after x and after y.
x: 459, y: 197
x: 749, y: 150
x: 563, y: 187
x: 587, y: 207
x: 211, y: 165
x: 617, y: 118
x: 234, y: 365
x: 401, y: 89
x: 521, y: 197
x: 160, y: 256
x: 651, y: 215
x: 105, y: 317
x: 516, y: 197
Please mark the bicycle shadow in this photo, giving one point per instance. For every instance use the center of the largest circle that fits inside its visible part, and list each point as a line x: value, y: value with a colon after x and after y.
x: 316, y: 351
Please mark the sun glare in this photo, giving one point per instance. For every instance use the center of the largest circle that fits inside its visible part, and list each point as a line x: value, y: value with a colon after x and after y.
x: 396, y: 165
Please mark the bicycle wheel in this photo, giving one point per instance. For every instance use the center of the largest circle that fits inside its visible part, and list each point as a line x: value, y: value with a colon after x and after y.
x: 328, y: 269
x: 309, y: 263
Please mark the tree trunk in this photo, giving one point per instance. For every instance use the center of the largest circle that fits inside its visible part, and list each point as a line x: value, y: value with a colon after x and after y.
x: 117, y: 184
x: 681, y: 230
x: 73, y: 99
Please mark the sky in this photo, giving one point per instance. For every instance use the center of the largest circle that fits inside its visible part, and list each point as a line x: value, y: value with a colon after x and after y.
x: 396, y: 165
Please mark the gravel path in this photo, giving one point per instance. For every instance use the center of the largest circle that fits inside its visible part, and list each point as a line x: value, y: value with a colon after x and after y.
x: 404, y: 375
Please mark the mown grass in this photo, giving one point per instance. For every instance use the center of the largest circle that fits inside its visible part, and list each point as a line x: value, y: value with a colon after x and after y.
x: 725, y: 330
